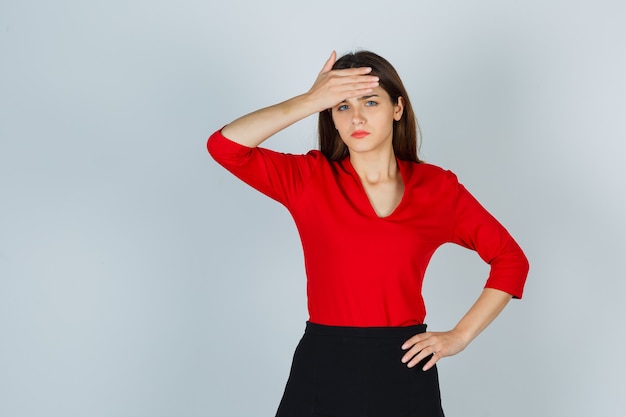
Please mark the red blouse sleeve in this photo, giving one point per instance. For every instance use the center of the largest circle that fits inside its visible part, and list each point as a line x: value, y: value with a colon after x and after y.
x: 476, y: 229
x: 278, y: 175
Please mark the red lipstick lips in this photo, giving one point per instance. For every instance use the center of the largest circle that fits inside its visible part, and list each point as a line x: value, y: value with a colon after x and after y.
x: 359, y: 134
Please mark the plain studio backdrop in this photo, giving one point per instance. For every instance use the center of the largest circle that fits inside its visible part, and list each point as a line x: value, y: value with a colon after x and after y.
x: 139, y: 278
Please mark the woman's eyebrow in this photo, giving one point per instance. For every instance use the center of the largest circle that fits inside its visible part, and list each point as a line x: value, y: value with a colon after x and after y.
x: 361, y: 98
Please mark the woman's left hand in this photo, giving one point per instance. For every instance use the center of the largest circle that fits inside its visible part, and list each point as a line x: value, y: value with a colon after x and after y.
x: 439, y: 344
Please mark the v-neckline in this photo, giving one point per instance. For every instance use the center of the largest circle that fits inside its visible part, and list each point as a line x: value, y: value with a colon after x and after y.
x: 372, y: 210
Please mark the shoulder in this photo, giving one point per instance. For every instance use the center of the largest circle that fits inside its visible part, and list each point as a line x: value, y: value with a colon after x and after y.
x: 316, y: 155
x: 426, y: 174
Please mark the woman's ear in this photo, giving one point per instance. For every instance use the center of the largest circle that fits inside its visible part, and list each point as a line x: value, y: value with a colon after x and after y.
x: 398, y: 109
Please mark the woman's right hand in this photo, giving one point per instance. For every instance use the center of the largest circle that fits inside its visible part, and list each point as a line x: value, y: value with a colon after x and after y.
x: 334, y: 86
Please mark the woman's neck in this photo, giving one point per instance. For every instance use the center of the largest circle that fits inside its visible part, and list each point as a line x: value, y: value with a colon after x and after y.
x: 375, y: 167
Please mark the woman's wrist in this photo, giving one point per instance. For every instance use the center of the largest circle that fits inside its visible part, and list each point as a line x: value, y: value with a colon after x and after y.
x: 307, y: 103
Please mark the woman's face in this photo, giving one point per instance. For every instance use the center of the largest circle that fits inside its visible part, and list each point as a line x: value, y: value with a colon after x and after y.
x: 365, y: 124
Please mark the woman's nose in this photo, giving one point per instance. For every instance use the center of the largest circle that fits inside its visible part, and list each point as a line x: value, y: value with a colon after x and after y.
x: 357, y: 117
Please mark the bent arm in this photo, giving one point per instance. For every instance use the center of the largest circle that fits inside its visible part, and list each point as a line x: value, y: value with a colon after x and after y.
x: 330, y: 87
x: 476, y: 229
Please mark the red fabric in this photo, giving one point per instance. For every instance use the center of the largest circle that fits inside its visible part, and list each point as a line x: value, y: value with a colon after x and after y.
x: 363, y: 270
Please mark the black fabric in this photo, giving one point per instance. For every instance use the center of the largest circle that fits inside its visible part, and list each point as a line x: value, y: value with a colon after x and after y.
x: 357, y: 372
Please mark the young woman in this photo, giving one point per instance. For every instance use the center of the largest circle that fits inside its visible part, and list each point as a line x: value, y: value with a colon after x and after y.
x: 370, y: 215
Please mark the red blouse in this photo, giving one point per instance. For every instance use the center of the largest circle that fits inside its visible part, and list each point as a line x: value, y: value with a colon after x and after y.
x: 364, y: 270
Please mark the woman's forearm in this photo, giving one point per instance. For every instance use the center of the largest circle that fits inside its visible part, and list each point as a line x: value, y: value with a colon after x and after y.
x: 486, y: 308
x: 252, y: 129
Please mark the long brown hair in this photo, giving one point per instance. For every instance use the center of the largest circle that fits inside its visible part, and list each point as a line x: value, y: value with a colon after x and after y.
x: 406, y: 133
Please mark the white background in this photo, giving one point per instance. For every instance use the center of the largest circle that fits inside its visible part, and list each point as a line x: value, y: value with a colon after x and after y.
x: 139, y: 278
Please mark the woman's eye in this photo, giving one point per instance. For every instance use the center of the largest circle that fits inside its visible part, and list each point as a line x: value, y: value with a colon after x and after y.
x: 342, y: 107
x: 371, y: 103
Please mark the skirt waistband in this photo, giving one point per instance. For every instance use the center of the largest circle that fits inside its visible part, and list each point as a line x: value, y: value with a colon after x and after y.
x: 367, y: 332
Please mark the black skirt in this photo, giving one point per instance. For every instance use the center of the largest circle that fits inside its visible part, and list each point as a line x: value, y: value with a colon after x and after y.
x: 357, y: 372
